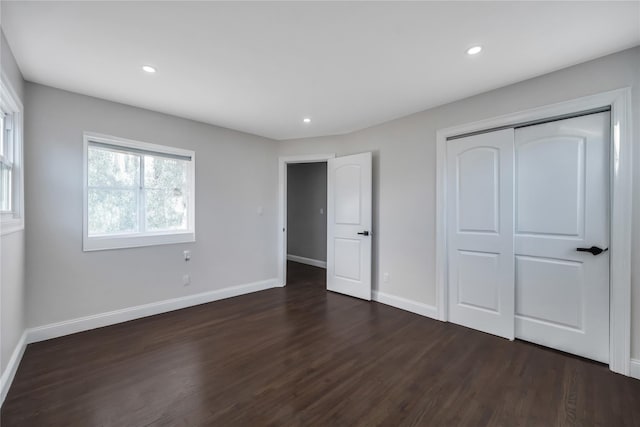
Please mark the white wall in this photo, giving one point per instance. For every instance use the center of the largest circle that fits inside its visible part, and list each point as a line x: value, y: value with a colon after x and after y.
x: 235, y: 174
x: 405, y: 171
x: 306, y: 197
x: 12, y: 284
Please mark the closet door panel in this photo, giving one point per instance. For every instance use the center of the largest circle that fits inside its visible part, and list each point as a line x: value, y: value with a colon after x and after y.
x: 562, y: 202
x: 480, y: 232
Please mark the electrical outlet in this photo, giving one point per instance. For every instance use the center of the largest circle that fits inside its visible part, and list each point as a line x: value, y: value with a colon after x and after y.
x: 186, y: 280
x: 321, y: 211
x: 385, y: 277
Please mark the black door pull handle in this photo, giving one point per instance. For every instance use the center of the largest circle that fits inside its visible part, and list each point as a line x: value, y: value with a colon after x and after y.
x: 593, y: 249
x: 364, y: 233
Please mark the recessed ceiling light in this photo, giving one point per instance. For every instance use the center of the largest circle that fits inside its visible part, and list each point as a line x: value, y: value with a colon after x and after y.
x: 149, y: 68
x: 474, y: 50
x: 306, y: 120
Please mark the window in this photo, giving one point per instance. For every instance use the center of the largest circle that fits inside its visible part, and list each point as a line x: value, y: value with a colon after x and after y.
x: 136, y: 194
x: 6, y: 162
x: 11, y: 175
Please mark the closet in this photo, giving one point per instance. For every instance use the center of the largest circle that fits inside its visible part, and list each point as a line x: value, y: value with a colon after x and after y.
x: 528, y: 232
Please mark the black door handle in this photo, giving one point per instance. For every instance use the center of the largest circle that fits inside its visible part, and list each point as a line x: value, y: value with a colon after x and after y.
x: 593, y: 249
x: 364, y: 233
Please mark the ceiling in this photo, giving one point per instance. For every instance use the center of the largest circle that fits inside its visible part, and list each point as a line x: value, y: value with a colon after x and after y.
x: 261, y: 67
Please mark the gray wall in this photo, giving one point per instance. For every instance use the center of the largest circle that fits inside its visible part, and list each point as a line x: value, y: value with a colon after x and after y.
x: 306, y: 196
x: 236, y: 173
x: 405, y: 169
x: 12, y: 259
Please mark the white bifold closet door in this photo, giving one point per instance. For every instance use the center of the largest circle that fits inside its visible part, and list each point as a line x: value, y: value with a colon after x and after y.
x: 480, y: 232
x: 528, y: 230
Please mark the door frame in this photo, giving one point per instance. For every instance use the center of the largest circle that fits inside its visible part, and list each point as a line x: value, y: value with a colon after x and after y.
x: 620, y: 214
x: 282, y: 205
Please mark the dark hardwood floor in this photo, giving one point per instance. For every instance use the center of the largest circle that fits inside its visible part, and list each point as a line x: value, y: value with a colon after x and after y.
x: 303, y: 356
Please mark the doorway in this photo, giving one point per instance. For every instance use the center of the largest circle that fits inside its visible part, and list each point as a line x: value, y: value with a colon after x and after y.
x: 284, y: 163
x: 349, y: 209
x: 306, y: 222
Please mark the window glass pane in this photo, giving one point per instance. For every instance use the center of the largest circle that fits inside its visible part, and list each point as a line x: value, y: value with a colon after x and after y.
x: 5, y: 188
x: 166, y: 209
x: 163, y: 172
x: 166, y: 193
x: 112, y: 211
x: 112, y: 168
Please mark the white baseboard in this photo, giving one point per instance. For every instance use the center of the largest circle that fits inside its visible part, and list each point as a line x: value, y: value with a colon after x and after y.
x: 634, y: 368
x: 405, y: 304
x: 81, y: 324
x: 12, y: 367
x: 309, y: 261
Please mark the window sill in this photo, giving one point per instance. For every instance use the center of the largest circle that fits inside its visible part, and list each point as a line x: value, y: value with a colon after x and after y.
x: 103, y: 243
x: 11, y: 224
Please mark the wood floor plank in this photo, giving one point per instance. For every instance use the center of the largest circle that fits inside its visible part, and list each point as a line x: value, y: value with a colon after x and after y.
x: 303, y: 356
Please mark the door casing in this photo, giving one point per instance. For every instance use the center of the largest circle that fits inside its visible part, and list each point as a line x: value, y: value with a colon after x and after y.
x: 619, y: 210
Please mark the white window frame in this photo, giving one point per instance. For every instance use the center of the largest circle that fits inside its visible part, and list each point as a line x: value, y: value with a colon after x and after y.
x: 138, y: 239
x: 10, y: 104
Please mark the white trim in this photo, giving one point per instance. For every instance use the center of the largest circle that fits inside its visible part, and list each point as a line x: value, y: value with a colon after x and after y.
x: 12, y: 367
x: 621, y: 224
x: 10, y: 222
x: 86, y: 323
x: 405, y: 304
x: 308, y: 261
x: 130, y: 143
x: 634, y: 368
x: 282, y: 205
x: 620, y: 261
x: 100, y: 243
x: 134, y: 240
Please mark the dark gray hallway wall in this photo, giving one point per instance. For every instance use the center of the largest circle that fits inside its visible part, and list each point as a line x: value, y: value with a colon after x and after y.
x: 306, y: 197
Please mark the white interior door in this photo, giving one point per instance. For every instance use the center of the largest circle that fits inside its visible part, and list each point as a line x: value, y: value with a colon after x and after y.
x: 480, y: 232
x: 349, y: 225
x: 562, y: 199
